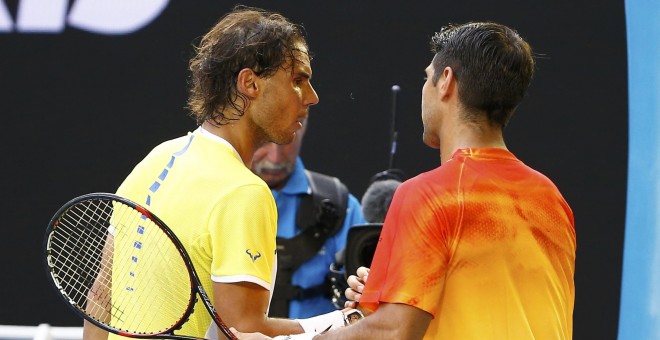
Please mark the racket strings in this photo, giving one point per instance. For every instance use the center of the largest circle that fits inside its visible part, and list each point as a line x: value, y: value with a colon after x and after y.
x: 119, y: 267
x: 152, y: 271
x: 77, y: 249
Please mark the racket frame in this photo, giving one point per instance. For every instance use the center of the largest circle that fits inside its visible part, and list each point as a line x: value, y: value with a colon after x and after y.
x: 195, y: 284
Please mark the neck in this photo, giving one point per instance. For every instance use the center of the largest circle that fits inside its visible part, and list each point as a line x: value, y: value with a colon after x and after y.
x: 235, y: 133
x: 469, y: 135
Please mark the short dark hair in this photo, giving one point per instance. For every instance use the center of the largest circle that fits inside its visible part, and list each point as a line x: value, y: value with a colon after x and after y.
x: 247, y: 37
x: 493, y: 67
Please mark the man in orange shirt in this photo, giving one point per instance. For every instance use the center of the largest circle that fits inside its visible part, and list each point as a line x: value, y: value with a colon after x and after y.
x: 482, y: 247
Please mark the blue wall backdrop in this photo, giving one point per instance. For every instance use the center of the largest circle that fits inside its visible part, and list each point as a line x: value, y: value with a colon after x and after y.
x: 640, y: 290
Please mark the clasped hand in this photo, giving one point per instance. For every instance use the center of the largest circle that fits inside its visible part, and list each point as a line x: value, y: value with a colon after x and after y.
x: 353, y: 293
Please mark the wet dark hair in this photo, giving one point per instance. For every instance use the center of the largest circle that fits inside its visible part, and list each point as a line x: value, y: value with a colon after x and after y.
x: 493, y: 67
x: 246, y: 37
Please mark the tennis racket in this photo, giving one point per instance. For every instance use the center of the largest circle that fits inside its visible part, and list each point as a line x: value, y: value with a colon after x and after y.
x: 121, y: 268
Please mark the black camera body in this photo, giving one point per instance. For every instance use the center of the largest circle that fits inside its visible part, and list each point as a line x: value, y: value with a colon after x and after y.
x: 361, y: 245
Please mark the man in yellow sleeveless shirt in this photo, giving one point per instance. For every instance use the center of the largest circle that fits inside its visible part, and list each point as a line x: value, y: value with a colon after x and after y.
x: 250, y: 85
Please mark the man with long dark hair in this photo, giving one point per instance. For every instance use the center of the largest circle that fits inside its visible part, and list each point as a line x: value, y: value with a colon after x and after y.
x: 250, y: 85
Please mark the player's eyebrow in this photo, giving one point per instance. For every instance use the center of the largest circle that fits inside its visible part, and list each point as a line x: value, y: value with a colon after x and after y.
x: 304, y: 74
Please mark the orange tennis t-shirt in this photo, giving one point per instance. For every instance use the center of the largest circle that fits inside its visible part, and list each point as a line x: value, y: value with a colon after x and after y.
x: 484, y: 244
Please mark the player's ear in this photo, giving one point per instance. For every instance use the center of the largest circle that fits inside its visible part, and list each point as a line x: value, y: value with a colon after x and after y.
x: 447, y: 82
x: 247, y: 83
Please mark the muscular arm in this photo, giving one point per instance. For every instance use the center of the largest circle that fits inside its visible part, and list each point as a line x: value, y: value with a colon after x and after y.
x: 244, y: 306
x: 91, y: 332
x: 390, y: 321
x: 99, y: 295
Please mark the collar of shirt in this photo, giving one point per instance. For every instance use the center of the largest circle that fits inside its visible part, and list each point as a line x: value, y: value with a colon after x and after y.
x: 209, y: 135
x: 490, y: 153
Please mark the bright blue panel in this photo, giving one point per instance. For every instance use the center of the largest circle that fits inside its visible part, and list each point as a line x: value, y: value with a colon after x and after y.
x: 640, y: 290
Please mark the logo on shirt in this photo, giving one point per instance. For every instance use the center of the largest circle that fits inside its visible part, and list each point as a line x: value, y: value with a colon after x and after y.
x: 253, y: 257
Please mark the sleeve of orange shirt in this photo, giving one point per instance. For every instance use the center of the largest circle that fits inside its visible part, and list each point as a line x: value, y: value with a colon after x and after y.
x: 411, y: 257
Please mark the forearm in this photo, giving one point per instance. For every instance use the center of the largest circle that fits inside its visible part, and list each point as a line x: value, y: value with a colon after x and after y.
x: 243, y: 306
x: 365, y: 329
x: 391, y: 321
x: 270, y: 326
x: 317, y: 324
x: 91, y: 332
